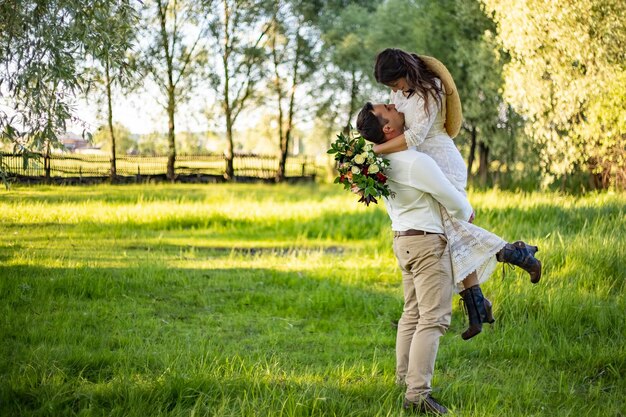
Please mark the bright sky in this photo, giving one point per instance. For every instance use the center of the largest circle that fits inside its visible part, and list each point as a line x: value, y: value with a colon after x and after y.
x: 140, y: 114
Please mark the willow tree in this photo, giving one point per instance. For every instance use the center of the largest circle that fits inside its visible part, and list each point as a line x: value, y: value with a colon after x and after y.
x: 43, y: 47
x: 567, y: 75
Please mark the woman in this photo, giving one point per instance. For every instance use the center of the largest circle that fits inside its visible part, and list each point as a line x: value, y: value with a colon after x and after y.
x: 423, y: 89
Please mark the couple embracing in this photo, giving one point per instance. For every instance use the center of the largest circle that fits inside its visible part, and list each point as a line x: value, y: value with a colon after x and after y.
x: 438, y: 249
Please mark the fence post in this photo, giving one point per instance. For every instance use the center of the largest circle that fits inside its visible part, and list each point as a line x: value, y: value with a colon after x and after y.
x: 46, y: 164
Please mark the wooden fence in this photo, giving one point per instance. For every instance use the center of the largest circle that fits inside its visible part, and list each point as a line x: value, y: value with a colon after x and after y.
x: 86, y: 166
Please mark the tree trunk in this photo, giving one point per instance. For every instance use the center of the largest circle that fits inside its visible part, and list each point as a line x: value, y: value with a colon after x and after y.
x: 472, y: 152
x: 171, y: 95
x: 46, y: 160
x: 230, y: 169
x: 286, y: 139
x: 483, y: 167
x: 229, y: 174
x: 171, y: 135
x: 110, y: 118
x: 280, y: 95
x: 354, y: 89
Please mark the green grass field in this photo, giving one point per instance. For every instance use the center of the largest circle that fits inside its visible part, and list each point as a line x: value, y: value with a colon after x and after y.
x: 260, y: 300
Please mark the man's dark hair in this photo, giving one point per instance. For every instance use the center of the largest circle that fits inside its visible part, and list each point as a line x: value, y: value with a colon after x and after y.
x: 369, y: 125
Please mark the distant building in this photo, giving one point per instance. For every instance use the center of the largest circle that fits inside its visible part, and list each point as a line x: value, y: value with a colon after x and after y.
x: 77, y: 144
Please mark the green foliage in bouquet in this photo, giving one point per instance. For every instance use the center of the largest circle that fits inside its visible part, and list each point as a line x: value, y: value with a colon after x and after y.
x: 360, y: 170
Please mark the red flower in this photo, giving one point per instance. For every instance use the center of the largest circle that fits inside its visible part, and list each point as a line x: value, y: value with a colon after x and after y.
x: 381, y: 177
x: 364, y: 171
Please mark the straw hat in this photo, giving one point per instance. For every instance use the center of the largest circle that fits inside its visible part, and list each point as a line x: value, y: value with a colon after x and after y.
x: 454, y: 113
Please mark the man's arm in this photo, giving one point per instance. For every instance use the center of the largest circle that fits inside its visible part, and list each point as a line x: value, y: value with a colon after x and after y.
x: 426, y: 176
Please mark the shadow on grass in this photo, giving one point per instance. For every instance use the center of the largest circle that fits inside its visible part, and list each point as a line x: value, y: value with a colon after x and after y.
x: 79, y: 338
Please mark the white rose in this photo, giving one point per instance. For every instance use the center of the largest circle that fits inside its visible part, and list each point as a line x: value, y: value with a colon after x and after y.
x: 373, y: 169
x: 356, y: 170
x: 359, y: 159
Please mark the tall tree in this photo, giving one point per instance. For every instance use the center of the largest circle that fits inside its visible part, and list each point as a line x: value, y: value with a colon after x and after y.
x: 460, y: 35
x: 122, y: 22
x: 291, y: 43
x: 349, y: 58
x: 175, y: 57
x: 478, y: 63
x: 566, y: 75
x: 42, y: 45
x: 238, y: 29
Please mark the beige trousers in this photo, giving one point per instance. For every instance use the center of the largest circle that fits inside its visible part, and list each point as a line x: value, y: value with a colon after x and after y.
x: 428, y: 288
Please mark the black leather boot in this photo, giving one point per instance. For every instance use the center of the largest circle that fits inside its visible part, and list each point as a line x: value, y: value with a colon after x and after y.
x: 532, y: 249
x: 478, y: 310
x: 522, y: 255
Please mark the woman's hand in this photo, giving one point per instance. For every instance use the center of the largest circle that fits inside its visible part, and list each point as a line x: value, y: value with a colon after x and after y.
x: 376, y: 149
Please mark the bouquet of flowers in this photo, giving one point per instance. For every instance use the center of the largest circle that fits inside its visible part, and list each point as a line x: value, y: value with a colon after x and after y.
x: 360, y: 170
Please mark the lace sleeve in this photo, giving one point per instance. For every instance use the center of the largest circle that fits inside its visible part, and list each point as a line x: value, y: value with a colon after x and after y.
x: 418, y: 121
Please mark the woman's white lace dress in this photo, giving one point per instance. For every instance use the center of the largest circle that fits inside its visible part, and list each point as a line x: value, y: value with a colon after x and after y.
x: 471, y: 247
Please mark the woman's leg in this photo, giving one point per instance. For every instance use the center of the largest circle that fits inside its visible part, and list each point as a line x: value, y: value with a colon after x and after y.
x: 478, y: 308
x: 471, y: 280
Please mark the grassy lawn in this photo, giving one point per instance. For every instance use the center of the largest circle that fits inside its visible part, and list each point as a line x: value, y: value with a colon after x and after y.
x: 260, y: 300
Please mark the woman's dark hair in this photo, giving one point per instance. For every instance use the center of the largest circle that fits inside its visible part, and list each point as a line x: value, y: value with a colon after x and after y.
x: 393, y: 64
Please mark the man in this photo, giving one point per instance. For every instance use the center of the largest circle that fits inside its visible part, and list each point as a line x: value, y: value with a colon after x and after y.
x: 418, y: 186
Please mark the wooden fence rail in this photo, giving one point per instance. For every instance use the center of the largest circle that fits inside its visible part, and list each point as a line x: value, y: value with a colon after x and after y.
x: 83, y: 166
